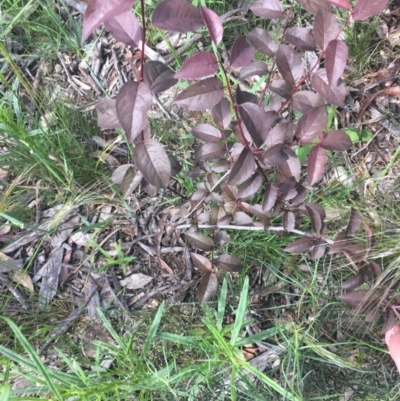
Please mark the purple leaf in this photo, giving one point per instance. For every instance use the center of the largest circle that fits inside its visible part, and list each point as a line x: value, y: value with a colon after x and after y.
x: 311, y: 124
x: 281, y: 88
x: 332, y: 94
x: 242, y: 219
x: 356, y: 252
x: 316, y: 164
x: 312, y: 6
x: 355, y: 222
x: 254, y: 210
x: 244, y: 96
x: 153, y: 163
x: 318, y: 250
x: 302, y: 38
x: 335, y: 60
x: 130, y: 181
x: 390, y: 319
x: 177, y: 16
x: 315, y: 217
x: 356, y: 299
x: 275, y: 155
x: 241, y: 53
x: 132, y: 103
x: 209, y: 151
x: 243, y: 169
x: 222, y: 237
x: 301, y: 195
x: 253, y: 117
x: 254, y: 68
x: 336, y: 140
x: 344, y: 4
x: 207, y: 288
x: 201, y: 241
x: 217, y: 212
x: 300, y: 245
x: 119, y: 173
x: 326, y: 28
x: 269, y: 9
x: 353, y: 282
x: 125, y: 28
x: 364, y: 9
x: 316, y: 206
x: 372, y: 271
x: 98, y: 11
x: 278, y: 134
x: 213, y: 23
x: 158, y: 76
x: 342, y: 240
x: 206, y: 133
x: 221, y: 114
x: 201, y: 95
x: 230, y: 191
x: 201, y: 262
x: 198, y: 66
x: 250, y: 187
x: 288, y: 221
x: 262, y: 41
x: 289, y: 64
x: 107, y: 115
x: 291, y: 167
x: 228, y: 263
x: 270, y: 196
x: 304, y: 101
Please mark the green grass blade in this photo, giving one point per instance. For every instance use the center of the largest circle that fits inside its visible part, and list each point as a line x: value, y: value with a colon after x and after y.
x: 12, y: 220
x: 62, y: 377
x: 189, y: 341
x: 222, y: 304
x: 39, y: 365
x: 111, y: 330
x: 5, y: 392
x: 269, y: 382
x: 262, y: 335
x: 153, y: 330
x: 240, y: 312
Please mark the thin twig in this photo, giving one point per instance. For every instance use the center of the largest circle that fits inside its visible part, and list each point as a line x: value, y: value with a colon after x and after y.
x: 212, y: 189
x: 317, y: 63
x: 382, y: 81
x: 252, y: 228
x: 115, y: 61
x: 289, y: 13
x: 143, y: 39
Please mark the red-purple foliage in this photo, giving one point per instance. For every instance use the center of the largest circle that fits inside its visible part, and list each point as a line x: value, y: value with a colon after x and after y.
x: 253, y: 144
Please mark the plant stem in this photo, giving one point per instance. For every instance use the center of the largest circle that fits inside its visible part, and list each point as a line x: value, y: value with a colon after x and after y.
x: 143, y: 39
x: 301, y: 82
x: 239, y: 122
x: 285, y: 27
x: 252, y: 228
x: 142, y: 51
x: 235, y: 108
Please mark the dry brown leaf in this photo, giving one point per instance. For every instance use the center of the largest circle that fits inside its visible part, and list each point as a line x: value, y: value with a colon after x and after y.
x: 164, y: 265
x: 135, y: 281
x: 23, y: 278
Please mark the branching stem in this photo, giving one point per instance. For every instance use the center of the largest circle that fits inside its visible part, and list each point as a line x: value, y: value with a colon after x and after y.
x: 301, y: 82
x: 289, y: 13
x: 239, y: 122
x: 143, y: 39
x: 253, y: 228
